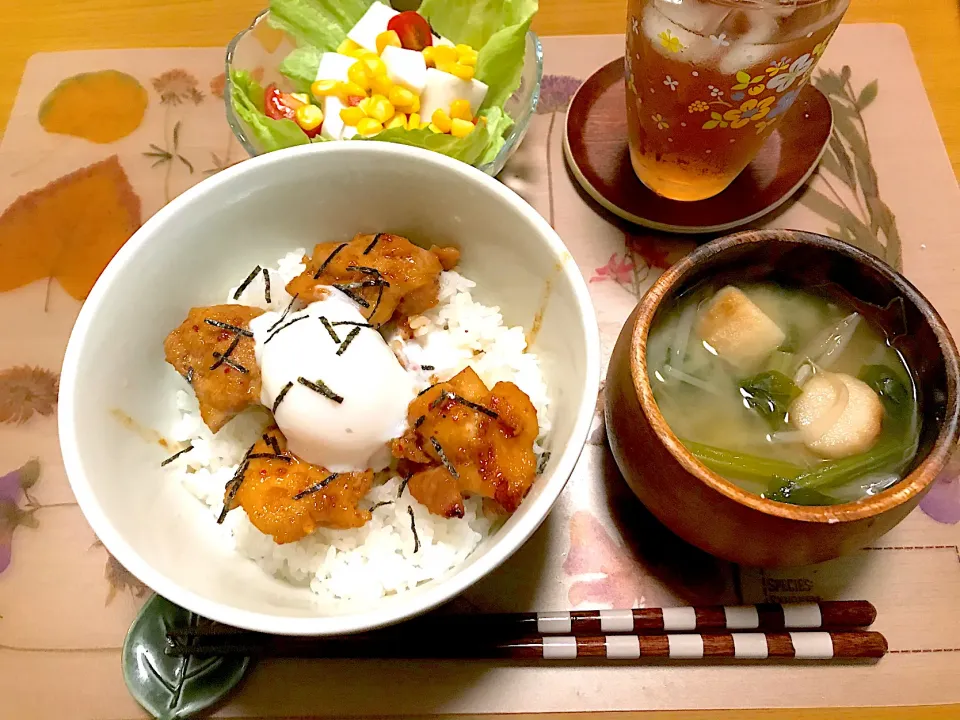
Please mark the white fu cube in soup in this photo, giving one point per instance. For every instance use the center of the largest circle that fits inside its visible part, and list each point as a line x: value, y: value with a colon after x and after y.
x: 739, y: 331
x: 837, y: 415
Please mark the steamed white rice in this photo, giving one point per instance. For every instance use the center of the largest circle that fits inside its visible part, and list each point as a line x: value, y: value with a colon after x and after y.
x: 377, y: 559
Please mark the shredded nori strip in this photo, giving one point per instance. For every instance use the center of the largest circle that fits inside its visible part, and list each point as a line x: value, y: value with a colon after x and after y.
x: 366, y: 270
x: 403, y: 486
x: 329, y: 259
x: 223, y: 358
x: 427, y: 367
x: 444, y: 395
x: 344, y: 287
x: 352, y: 295
x: 285, y: 313
x: 243, y: 285
x: 329, y: 327
x: 269, y: 456
x: 228, y: 326
x: 544, y: 459
x: 349, y: 339
x: 266, y: 285
x: 351, y: 322
x: 427, y: 389
x: 233, y: 485
x: 380, y: 505
x: 443, y: 458
x: 320, y: 387
x: 376, y: 305
x: 376, y: 239
x: 413, y: 528
x: 189, y: 375
x: 419, y: 421
x: 227, y: 361
x: 173, y: 457
x: 284, y: 327
x: 272, y: 441
x: 281, y: 396
x: 316, y: 487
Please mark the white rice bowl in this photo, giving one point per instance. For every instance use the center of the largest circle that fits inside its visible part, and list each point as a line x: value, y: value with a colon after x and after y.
x: 383, y: 557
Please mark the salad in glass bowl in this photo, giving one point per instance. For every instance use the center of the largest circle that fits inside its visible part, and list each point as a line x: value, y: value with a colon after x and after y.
x: 456, y: 77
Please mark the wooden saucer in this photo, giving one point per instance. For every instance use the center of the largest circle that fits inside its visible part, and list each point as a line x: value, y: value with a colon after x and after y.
x: 595, y: 145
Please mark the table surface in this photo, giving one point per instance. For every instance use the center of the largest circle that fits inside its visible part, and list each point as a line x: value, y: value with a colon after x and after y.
x: 933, y: 27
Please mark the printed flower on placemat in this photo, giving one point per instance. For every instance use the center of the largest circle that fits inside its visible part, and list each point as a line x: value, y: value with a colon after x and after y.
x: 177, y: 86
x: 13, y: 485
x: 119, y: 578
x: 670, y: 41
x: 556, y: 92
x: 781, y: 82
x: 27, y: 391
x: 618, y: 269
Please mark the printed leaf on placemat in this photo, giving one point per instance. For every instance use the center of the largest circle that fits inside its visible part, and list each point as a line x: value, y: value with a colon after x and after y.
x: 68, y: 230
x: 853, y: 206
x: 169, y: 687
x: 101, y: 107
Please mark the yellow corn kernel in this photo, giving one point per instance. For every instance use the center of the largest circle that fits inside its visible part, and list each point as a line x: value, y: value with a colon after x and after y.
x: 375, y: 66
x: 461, y: 109
x: 400, y: 96
x: 413, y: 121
x: 444, y: 54
x: 424, y: 124
x: 387, y: 38
x: 466, y: 55
x: 397, y: 121
x: 359, y: 74
x: 351, y: 89
x: 369, y: 126
x: 415, y: 107
x: 347, y: 47
x: 446, y: 67
x: 464, y: 72
x: 352, y: 116
x: 381, y: 85
x: 441, y: 120
x: 429, y: 55
x: 324, y: 88
x: 302, y: 97
x: 380, y: 108
x: 309, y: 117
x: 434, y: 129
x: 460, y: 128
x: 365, y: 106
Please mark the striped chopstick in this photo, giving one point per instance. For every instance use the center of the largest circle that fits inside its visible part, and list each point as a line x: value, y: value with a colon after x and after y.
x: 833, y: 615
x: 818, y: 645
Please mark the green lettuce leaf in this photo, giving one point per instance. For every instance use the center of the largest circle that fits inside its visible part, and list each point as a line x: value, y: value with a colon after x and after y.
x: 497, y: 28
x: 324, y: 24
x: 246, y: 96
x: 301, y: 66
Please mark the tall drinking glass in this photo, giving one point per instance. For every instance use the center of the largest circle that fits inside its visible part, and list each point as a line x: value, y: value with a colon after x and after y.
x: 709, y: 80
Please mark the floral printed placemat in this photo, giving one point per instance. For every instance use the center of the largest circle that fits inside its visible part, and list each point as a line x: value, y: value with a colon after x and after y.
x: 77, y: 181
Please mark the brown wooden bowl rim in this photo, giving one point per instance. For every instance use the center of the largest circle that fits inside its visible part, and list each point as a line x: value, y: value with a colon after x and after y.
x: 900, y: 493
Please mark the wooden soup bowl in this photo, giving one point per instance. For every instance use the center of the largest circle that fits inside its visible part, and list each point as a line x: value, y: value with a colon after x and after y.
x: 715, y: 514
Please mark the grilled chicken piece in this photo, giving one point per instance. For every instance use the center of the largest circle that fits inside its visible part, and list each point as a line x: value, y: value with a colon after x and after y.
x: 213, y: 349
x: 386, y: 274
x: 467, y: 440
x: 288, y: 499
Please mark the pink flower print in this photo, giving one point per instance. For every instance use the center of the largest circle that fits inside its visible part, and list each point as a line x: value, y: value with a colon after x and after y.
x: 619, y: 269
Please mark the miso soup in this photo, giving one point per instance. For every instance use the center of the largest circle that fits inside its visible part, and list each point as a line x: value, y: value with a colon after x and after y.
x: 785, y: 393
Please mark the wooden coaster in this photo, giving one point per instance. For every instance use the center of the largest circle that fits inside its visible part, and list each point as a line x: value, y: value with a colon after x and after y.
x: 595, y: 145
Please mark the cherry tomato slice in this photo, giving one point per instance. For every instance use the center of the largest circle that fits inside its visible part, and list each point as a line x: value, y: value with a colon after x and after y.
x: 313, y: 133
x: 273, y: 105
x: 412, y: 29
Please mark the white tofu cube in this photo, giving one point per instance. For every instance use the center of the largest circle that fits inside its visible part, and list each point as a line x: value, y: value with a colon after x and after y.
x: 406, y: 68
x: 334, y: 66
x: 439, y: 40
x: 443, y: 88
x: 333, y: 126
x: 349, y: 131
x: 740, y: 332
x: 373, y: 22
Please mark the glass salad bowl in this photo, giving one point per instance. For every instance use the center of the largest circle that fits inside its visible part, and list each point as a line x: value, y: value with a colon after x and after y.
x: 260, y: 48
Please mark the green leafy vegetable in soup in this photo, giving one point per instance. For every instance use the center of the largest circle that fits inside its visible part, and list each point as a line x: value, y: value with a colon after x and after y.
x: 784, y: 392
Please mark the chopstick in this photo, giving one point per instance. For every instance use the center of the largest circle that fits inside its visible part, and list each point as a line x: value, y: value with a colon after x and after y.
x: 818, y: 645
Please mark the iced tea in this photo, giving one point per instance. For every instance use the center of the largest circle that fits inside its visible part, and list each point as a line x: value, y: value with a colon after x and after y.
x: 708, y: 81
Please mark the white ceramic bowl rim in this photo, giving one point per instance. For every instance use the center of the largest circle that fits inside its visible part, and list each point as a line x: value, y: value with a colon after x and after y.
x: 503, y: 547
